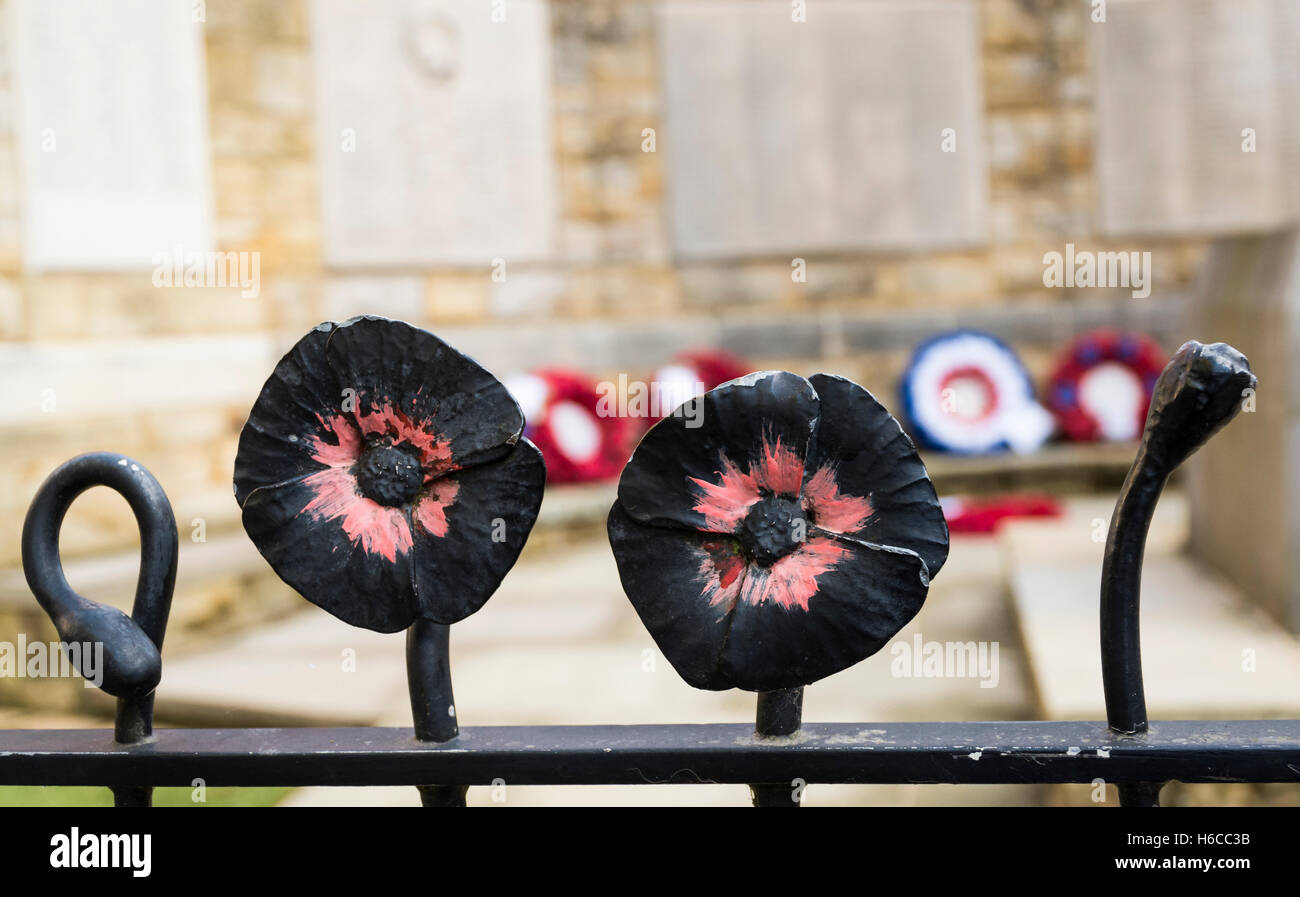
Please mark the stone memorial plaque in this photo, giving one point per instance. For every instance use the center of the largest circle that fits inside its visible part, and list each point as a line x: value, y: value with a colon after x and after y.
x: 1178, y: 83
x: 826, y: 134
x: 434, y: 131
x: 113, y: 127
x: 1244, y: 486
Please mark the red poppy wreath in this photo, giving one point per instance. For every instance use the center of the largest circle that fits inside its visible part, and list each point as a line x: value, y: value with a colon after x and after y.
x: 781, y: 533
x: 383, y: 475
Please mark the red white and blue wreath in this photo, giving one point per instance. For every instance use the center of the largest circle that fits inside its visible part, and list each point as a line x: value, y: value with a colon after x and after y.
x: 1101, y: 386
x: 966, y: 391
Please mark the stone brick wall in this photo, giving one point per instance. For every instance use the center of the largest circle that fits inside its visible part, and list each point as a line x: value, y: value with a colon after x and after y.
x: 613, y: 285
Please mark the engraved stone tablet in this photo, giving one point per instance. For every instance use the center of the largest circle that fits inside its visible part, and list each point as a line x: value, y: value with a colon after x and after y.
x: 112, y: 117
x: 827, y: 134
x: 1178, y: 83
x: 434, y: 138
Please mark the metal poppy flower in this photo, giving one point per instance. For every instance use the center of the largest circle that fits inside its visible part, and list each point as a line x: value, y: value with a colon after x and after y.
x: 775, y: 532
x: 383, y: 476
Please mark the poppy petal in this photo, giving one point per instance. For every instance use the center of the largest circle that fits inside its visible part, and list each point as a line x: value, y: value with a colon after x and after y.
x: 861, y: 460
x: 702, y: 466
x: 723, y: 623
x: 469, y: 529
x: 339, y: 550
x: 864, y: 595
x: 665, y: 575
x: 287, y: 424
x: 408, y: 380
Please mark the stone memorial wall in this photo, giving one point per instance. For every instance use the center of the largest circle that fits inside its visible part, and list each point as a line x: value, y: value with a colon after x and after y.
x: 647, y: 170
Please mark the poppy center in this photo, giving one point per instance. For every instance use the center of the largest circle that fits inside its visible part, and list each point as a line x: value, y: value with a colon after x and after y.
x: 388, y: 475
x: 774, y: 527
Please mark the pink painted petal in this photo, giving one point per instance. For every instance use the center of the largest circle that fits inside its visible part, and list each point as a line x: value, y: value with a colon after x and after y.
x: 377, y: 417
x: 337, y: 553
x: 792, y: 581
x: 779, y: 470
x: 722, y: 571
x: 704, y: 466
x: 375, y: 528
x: 339, y: 445
x: 415, y: 385
x: 820, y: 610
x: 431, y: 511
x: 724, y: 500
x: 832, y: 509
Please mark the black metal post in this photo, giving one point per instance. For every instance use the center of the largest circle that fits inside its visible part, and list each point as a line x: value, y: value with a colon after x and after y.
x: 433, y: 707
x: 1121, y: 593
x: 133, y: 725
x: 1199, y: 391
x: 779, y: 714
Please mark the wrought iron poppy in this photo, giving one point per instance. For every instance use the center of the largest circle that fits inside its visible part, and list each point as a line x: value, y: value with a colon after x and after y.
x: 779, y: 531
x: 383, y: 475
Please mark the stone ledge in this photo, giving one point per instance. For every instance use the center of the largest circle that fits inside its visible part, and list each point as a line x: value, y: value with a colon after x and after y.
x: 633, y: 345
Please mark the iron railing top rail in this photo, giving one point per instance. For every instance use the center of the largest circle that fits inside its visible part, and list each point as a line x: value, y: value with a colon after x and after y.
x: 892, y: 753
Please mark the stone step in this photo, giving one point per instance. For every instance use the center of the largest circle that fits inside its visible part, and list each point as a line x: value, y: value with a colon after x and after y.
x: 1207, y: 652
x: 110, y: 579
x: 293, y: 671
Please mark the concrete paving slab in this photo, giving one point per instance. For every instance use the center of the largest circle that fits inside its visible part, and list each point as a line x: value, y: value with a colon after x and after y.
x: 312, y: 669
x: 1207, y: 651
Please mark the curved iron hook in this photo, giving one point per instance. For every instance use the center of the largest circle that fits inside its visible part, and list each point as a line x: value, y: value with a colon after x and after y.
x: 1198, y: 393
x: 131, y: 645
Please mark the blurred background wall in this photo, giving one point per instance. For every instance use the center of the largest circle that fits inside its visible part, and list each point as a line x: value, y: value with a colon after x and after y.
x: 95, y: 357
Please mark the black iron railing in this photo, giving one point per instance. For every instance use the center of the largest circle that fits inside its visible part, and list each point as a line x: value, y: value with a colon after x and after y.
x: 1198, y: 393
